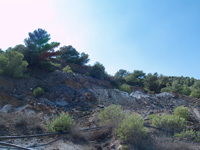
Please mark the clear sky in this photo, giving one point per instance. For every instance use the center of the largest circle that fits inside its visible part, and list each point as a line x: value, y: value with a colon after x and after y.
x: 151, y: 35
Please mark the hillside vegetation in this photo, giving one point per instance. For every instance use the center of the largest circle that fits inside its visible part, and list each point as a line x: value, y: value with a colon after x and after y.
x: 45, y: 89
x: 38, y: 52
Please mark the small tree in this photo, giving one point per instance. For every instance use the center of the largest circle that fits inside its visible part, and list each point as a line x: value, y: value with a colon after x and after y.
x: 12, y: 64
x: 38, y: 47
x: 98, y: 71
x: 151, y: 83
x: 71, y: 55
x: 136, y: 78
x: 120, y: 74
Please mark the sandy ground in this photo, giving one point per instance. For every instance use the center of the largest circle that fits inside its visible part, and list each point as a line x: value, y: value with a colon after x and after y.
x: 60, y: 144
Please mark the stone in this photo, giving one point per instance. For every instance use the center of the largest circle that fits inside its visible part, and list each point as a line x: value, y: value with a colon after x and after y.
x: 139, y: 95
x: 7, y: 108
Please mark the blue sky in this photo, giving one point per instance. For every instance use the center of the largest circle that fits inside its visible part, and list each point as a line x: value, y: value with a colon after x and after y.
x: 151, y: 35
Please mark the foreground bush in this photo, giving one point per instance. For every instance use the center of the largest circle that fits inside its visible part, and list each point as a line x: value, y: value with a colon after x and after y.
x: 111, y: 115
x: 132, y: 130
x: 62, y: 123
x: 67, y: 69
x: 12, y: 64
x: 38, y: 92
x: 172, y: 123
x: 182, y: 112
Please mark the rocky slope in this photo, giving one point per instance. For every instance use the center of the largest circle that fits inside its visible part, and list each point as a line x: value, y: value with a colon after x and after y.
x: 83, y: 97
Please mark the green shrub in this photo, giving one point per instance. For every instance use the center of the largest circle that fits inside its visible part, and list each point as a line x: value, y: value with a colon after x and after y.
x: 132, y: 129
x: 12, y: 64
x: 62, y: 123
x: 38, y: 92
x: 67, y: 69
x: 187, y: 134
x: 125, y: 147
x: 182, y: 112
x: 125, y: 87
x: 111, y: 115
x: 197, y: 136
x: 169, y: 122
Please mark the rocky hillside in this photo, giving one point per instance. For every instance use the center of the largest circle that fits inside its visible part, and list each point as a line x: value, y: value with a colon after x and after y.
x: 83, y: 97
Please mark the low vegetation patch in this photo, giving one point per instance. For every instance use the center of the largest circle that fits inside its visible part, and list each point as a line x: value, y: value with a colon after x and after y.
x: 174, y: 123
x: 189, y: 135
x: 129, y: 128
x: 67, y: 69
x: 38, y: 92
x: 62, y: 123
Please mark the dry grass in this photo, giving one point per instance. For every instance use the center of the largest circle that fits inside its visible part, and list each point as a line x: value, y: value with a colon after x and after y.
x: 85, y: 137
x: 20, y: 123
x: 78, y: 136
x: 169, y: 143
x: 99, y: 135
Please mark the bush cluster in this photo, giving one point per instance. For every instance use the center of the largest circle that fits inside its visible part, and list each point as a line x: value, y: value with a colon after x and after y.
x: 169, y: 122
x: 174, y: 123
x: 189, y: 135
x: 129, y: 128
x: 62, y: 123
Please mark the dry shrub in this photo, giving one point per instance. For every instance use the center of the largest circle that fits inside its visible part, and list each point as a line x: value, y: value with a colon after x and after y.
x: 78, y: 136
x: 167, y: 143
x: 98, y: 134
x: 20, y: 122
